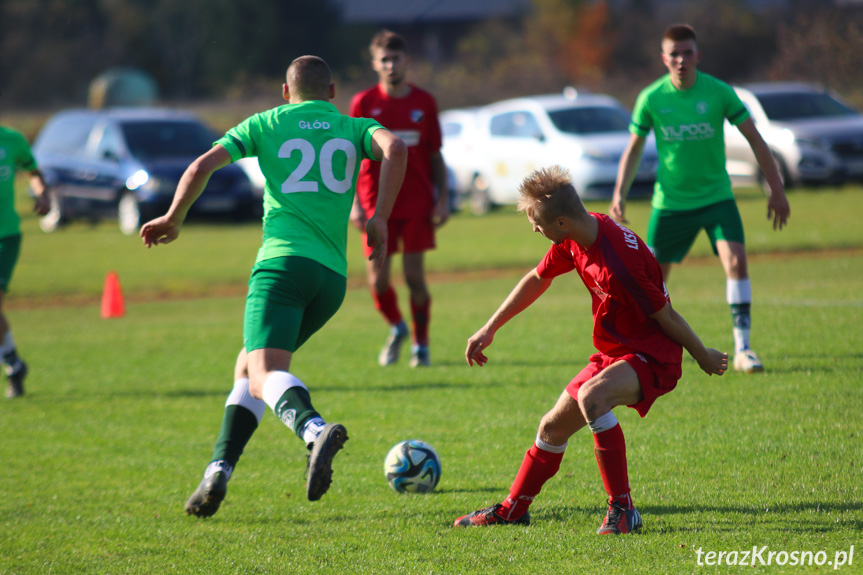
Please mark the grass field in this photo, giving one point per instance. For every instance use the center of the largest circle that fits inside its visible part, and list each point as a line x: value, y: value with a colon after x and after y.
x: 121, y: 414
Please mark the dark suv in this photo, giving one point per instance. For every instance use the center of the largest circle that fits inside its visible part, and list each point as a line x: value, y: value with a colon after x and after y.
x: 126, y: 163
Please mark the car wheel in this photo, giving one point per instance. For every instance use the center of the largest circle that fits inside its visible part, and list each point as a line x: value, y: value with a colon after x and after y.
x: 55, y: 217
x: 129, y: 213
x: 480, y: 201
x: 783, y: 176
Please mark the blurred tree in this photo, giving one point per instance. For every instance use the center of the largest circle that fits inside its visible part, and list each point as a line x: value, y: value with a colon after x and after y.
x: 737, y: 43
x: 586, y: 54
x: 51, y: 49
x: 824, y: 46
x: 48, y: 49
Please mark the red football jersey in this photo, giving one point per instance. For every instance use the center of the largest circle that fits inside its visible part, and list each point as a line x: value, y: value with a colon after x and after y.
x: 625, y: 282
x: 414, y: 119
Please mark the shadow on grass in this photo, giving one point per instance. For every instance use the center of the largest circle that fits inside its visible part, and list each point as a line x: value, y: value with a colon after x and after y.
x: 723, y: 518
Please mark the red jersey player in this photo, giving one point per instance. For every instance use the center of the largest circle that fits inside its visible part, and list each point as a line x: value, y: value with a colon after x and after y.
x: 638, y: 335
x: 411, y: 113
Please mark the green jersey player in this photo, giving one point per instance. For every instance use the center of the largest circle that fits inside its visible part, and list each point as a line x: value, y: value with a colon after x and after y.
x: 687, y: 109
x: 309, y: 154
x: 15, y: 154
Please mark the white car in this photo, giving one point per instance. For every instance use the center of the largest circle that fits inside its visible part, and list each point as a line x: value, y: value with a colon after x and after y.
x: 459, y: 130
x: 585, y: 133
x: 814, y: 136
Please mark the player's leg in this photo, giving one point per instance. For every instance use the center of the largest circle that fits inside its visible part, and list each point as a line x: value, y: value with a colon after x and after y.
x: 300, y: 296
x: 542, y: 460
x: 386, y: 302
x: 727, y: 237
x: 385, y: 298
x: 16, y: 369
x: 617, y: 384
x: 418, y: 237
x: 540, y: 463
x: 242, y: 415
x: 420, y: 299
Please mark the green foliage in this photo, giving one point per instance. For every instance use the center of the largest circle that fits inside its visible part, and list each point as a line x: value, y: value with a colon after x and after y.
x: 121, y: 414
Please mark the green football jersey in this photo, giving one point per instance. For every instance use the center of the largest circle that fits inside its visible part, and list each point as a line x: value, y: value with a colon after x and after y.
x: 14, y: 154
x: 690, y: 139
x: 310, y: 156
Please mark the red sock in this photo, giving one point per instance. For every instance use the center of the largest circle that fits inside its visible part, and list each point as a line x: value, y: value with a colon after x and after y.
x: 387, y: 304
x: 610, y: 449
x: 537, y: 467
x: 421, y: 316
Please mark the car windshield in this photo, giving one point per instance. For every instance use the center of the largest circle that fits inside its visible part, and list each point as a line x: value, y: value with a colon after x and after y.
x: 590, y: 119
x: 802, y: 105
x: 167, y: 138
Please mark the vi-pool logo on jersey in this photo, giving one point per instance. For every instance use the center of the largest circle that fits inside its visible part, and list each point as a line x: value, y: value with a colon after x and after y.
x: 688, y: 132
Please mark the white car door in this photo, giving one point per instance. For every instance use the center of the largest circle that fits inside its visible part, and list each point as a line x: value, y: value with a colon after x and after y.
x: 516, y: 148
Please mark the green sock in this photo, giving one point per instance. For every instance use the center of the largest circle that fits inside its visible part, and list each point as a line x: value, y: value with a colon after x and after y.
x: 238, y: 426
x: 294, y: 408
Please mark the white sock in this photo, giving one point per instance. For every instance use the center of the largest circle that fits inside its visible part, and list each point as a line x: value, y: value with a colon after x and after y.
x: 312, y: 429
x: 275, y: 386
x: 549, y: 447
x: 240, y: 396
x: 739, y: 292
x: 603, y: 423
x: 216, y: 466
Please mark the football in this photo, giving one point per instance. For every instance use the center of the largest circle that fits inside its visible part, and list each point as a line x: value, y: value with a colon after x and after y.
x: 412, y: 466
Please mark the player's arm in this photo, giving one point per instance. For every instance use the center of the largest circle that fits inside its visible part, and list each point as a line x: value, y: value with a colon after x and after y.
x: 777, y: 204
x: 41, y: 191
x: 675, y: 327
x: 441, y: 182
x: 531, y: 286
x: 165, y: 229
x: 393, y: 154
x: 358, y: 215
x: 626, y: 171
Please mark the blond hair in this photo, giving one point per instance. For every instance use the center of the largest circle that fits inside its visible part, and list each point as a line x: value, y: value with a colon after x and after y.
x: 548, y: 193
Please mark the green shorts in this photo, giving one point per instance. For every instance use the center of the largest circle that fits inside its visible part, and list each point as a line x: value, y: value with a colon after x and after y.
x: 10, y: 249
x: 671, y: 233
x: 290, y: 298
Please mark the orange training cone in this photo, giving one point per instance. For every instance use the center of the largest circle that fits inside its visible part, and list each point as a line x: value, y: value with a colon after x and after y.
x: 112, y: 297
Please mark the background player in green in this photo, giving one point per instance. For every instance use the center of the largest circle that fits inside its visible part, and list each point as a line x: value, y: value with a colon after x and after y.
x: 686, y: 109
x: 309, y: 154
x: 15, y: 154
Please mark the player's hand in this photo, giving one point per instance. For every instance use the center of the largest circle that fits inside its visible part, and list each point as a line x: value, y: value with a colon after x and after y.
x: 475, y: 346
x: 42, y: 204
x: 377, y: 236
x: 358, y: 217
x: 441, y: 214
x: 714, y: 363
x: 778, y: 209
x: 162, y: 230
x: 617, y: 210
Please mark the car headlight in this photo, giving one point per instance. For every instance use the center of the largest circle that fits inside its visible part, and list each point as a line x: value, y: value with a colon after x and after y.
x: 788, y: 137
x: 149, y: 185
x: 137, y: 180
x: 598, y: 155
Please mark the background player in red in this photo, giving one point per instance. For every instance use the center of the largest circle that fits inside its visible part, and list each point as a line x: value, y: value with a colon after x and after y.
x: 636, y: 331
x: 410, y: 113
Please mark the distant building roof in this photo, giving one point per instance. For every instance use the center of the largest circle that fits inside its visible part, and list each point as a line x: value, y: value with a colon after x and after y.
x: 416, y: 11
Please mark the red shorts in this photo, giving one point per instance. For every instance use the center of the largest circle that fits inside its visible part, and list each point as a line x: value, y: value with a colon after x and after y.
x: 656, y: 378
x: 411, y: 236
